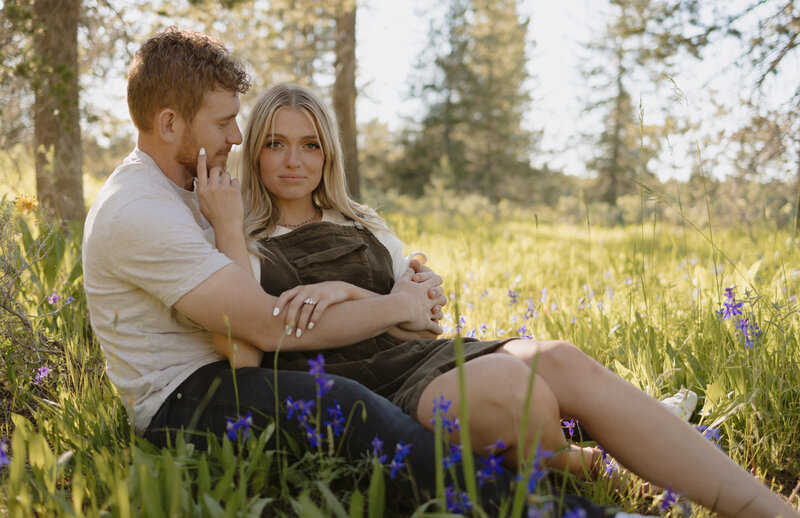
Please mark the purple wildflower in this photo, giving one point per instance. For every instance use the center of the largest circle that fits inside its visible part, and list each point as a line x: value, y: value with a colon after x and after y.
x: 538, y: 471
x: 239, y: 427
x: 730, y: 308
x: 462, y: 321
x: 523, y: 332
x: 578, y: 512
x: 544, y: 295
x: 41, y: 374
x: 456, y: 501
x: 5, y: 460
x: 337, y: 419
x: 512, y: 295
x: 668, y: 499
x: 377, y: 449
x: 570, y: 425
x: 53, y: 298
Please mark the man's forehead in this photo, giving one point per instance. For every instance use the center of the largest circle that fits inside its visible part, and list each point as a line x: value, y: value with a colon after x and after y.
x: 220, y: 103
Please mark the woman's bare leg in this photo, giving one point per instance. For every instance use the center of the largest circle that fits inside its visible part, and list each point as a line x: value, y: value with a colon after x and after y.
x: 645, y: 437
x: 496, y: 386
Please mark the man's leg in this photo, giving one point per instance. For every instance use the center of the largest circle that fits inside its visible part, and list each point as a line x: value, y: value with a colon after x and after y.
x: 190, y: 403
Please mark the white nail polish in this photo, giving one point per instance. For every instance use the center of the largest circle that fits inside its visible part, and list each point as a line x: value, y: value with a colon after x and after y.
x: 275, y: 312
x: 311, y: 325
x: 202, y: 151
x: 298, y: 333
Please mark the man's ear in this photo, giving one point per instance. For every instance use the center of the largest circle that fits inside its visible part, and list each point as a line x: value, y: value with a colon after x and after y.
x: 169, y: 125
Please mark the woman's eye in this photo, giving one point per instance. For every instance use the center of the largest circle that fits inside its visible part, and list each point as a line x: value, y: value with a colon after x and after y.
x: 312, y: 145
x: 274, y: 144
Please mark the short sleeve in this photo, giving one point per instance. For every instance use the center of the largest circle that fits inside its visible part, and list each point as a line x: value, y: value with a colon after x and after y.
x: 159, y: 247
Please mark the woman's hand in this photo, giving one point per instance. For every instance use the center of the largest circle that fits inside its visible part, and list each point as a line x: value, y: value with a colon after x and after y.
x: 220, y: 197
x: 303, y: 305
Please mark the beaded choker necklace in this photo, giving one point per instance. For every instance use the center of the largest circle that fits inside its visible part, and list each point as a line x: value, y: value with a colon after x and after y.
x: 317, y: 215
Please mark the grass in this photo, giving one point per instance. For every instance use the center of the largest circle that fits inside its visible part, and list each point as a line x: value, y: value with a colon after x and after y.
x: 643, y: 300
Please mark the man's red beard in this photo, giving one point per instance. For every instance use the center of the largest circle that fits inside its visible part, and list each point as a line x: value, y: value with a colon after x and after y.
x: 187, y: 154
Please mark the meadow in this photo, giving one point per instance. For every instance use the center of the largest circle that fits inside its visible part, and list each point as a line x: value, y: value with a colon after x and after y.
x: 647, y: 301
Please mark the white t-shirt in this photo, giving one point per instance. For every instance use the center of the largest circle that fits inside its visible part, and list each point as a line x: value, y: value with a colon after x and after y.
x: 384, y: 235
x: 145, y: 246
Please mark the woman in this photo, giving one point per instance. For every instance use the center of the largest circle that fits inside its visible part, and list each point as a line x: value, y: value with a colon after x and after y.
x: 306, y: 231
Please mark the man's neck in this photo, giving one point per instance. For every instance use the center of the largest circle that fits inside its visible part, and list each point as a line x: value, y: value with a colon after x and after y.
x: 164, y: 158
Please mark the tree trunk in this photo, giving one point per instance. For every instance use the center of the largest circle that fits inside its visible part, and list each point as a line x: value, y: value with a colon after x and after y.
x: 344, y: 94
x: 57, y: 135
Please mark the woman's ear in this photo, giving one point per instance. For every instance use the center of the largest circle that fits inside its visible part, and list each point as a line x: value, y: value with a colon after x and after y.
x: 168, y: 125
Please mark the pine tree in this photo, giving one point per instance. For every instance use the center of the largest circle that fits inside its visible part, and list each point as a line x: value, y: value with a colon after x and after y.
x: 476, y: 97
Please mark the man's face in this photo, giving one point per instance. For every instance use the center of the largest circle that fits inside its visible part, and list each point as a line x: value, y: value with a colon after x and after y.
x: 214, y: 128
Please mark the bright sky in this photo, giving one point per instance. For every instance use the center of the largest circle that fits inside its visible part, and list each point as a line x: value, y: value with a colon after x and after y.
x: 391, y: 35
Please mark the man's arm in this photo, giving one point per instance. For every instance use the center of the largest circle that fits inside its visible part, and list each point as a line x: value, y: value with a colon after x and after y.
x: 233, y: 293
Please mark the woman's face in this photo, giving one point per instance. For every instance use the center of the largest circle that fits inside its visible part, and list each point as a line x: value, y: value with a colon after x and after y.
x: 290, y: 163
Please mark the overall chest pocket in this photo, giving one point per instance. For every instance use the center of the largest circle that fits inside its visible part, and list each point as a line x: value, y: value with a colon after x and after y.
x: 346, y: 262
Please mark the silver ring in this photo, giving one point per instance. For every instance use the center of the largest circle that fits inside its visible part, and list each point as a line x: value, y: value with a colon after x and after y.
x: 309, y: 300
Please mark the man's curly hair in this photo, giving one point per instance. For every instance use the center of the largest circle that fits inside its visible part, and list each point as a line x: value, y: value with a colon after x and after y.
x: 175, y: 69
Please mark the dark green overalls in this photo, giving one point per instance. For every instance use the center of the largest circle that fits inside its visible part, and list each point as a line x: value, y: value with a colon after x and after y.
x: 388, y: 366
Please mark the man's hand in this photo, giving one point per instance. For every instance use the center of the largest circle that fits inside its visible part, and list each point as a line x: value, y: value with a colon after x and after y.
x: 417, y: 297
x: 220, y: 197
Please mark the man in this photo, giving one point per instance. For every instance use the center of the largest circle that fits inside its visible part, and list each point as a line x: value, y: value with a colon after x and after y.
x: 156, y: 285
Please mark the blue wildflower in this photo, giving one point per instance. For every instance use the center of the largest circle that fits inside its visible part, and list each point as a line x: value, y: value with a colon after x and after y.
x: 570, y: 425
x: 312, y: 434
x: 553, y: 306
x: 441, y: 405
x: 712, y: 434
x: 544, y: 295
x: 5, y: 460
x: 400, y: 453
x: 578, y: 512
x: 337, y: 419
x: 239, y: 427
x: 491, y: 467
x: 41, y: 374
x: 454, y: 458
x: 323, y: 381
x: 456, y: 501
x: 377, y: 449
x: 301, y: 408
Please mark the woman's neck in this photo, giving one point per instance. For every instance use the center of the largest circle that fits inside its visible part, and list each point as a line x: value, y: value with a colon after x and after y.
x: 298, y: 213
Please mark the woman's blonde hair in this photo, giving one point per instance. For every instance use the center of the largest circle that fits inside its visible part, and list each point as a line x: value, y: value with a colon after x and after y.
x: 261, y: 212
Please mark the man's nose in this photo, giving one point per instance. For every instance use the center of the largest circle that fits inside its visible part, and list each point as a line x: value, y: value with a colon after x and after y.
x: 235, y: 138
